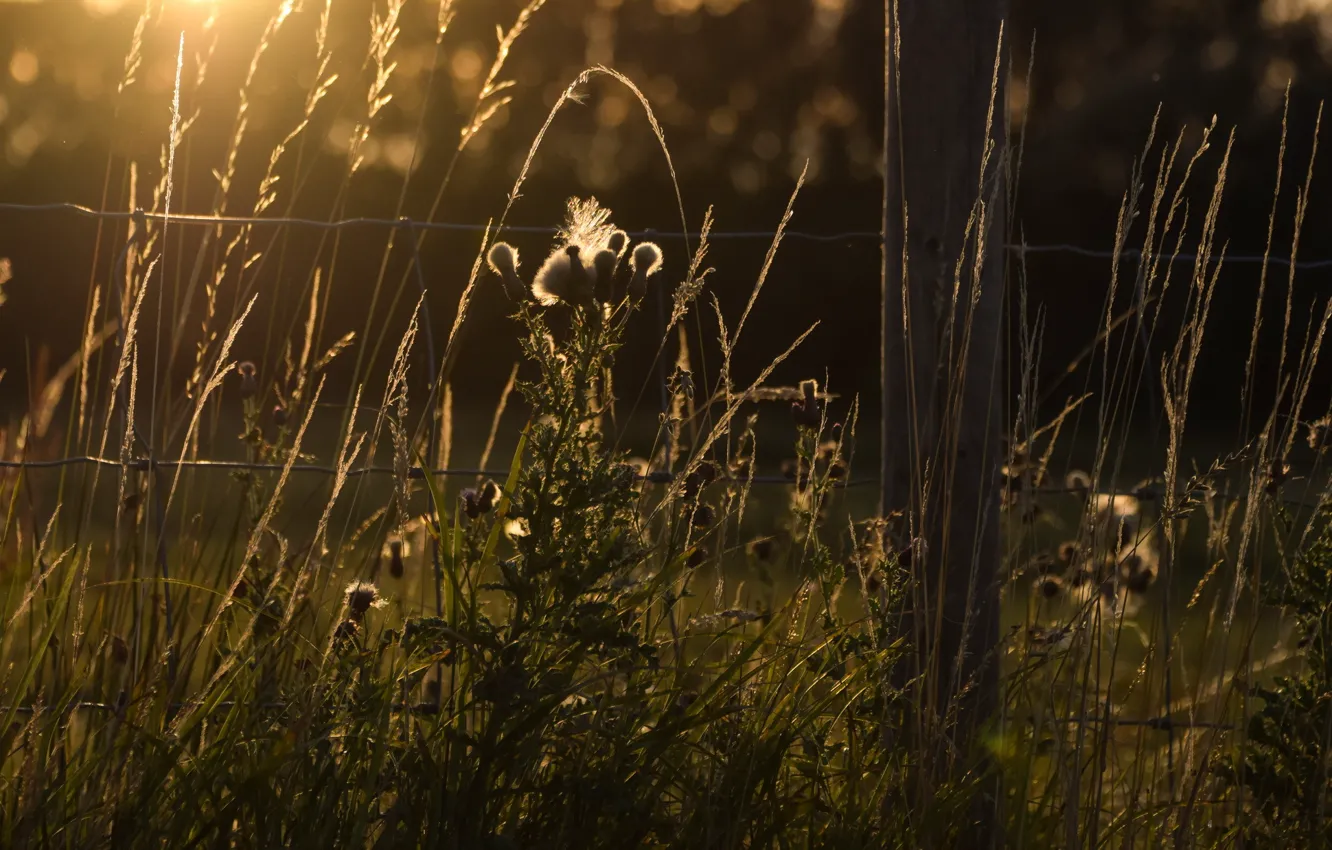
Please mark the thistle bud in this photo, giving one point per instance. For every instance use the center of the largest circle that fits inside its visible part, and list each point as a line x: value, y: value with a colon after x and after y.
x: 807, y: 412
x: 645, y: 262
x: 279, y: 415
x: 703, y: 516
x: 249, y: 382
x: 581, y: 284
x: 618, y: 241
x: 762, y: 548
x: 604, y: 264
x: 503, y: 261
x: 480, y: 500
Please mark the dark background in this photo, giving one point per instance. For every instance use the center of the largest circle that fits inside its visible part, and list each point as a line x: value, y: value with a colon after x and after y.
x: 747, y: 91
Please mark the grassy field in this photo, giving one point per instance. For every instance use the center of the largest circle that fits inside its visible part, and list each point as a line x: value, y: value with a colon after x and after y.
x: 627, y: 629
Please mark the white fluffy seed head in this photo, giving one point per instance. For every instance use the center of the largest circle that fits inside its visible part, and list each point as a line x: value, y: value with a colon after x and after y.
x: 646, y: 259
x: 503, y: 259
x: 557, y: 273
x: 618, y: 241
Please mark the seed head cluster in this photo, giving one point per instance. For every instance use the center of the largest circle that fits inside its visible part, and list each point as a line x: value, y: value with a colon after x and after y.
x: 585, y: 266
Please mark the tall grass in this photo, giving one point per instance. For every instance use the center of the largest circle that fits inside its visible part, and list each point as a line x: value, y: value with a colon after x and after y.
x: 598, y: 649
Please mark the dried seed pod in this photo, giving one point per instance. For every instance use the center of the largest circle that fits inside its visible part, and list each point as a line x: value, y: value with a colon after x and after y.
x: 697, y: 557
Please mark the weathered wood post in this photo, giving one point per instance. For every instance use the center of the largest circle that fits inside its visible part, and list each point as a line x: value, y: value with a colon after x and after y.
x: 943, y: 258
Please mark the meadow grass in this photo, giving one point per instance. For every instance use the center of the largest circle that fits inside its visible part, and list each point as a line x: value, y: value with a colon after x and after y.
x: 617, y: 637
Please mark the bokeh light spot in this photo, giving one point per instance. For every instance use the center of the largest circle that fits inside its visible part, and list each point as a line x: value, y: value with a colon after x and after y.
x: 23, y: 66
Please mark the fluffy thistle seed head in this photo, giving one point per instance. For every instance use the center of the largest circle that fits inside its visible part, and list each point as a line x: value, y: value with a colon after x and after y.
x: 361, y: 597
x: 645, y: 261
x: 503, y: 261
x: 561, y: 277
x: 617, y: 242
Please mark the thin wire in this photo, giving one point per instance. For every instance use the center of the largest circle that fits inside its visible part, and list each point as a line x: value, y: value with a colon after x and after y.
x: 1160, y: 724
x: 414, y: 472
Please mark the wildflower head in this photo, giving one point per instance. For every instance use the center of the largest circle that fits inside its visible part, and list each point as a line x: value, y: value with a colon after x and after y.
x: 361, y: 597
x: 280, y: 415
x: 617, y: 242
x: 503, y: 261
x: 645, y: 261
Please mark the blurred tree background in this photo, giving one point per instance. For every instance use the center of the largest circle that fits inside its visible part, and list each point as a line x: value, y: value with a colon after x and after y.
x: 747, y: 92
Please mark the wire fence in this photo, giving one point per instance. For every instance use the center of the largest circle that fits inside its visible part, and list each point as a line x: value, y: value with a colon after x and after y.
x: 404, y: 223
x: 1165, y: 723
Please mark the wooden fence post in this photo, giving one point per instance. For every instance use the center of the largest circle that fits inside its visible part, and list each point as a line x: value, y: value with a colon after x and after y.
x: 943, y: 276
